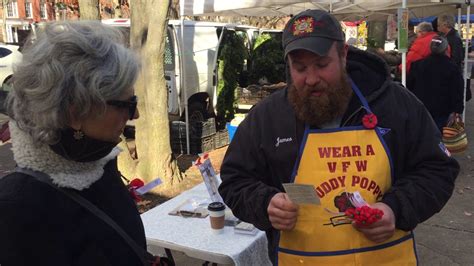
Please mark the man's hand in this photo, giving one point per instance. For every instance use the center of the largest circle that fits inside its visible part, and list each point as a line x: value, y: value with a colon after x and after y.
x: 381, y: 230
x: 282, y: 212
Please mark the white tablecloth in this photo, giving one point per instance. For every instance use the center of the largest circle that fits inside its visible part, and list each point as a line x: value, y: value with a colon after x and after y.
x: 194, y: 237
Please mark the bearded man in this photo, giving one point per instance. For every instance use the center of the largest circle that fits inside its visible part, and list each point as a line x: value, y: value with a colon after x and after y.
x: 344, y: 128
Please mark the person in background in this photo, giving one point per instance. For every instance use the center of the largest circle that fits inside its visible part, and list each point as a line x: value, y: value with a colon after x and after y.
x: 411, y: 36
x: 420, y: 48
x: 446, y: 26
x: 393, y: 59
x: 437, y: 82
x: 345, y: 129
x: 72, y: 96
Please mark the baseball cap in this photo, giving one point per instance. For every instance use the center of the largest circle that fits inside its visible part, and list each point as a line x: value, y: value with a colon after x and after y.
x: 312, y: 30
x: 438, y: 45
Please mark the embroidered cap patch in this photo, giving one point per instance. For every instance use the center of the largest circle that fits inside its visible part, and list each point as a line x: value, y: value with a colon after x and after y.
x: 303, y: 25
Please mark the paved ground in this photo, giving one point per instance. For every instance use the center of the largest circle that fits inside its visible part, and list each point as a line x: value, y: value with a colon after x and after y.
x: 445, y: 239
x: 448, y: 237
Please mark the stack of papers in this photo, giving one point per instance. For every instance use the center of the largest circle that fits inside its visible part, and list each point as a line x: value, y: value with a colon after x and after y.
x: 193, y: 207
x: 245, y: 228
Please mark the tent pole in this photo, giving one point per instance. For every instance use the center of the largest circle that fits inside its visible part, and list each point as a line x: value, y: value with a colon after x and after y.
x: 466, y: 63
x: 182, y: 84
x: 458, y: 25
x: 404, y: 57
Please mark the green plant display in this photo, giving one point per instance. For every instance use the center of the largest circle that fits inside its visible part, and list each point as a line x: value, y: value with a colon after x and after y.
x: 261, y: 39
x: 266, y: 60
x: 372, y: 43
x: 231, y: 61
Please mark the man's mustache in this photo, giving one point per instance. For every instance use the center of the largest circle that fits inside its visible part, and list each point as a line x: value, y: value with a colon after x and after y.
x: 319, y: 88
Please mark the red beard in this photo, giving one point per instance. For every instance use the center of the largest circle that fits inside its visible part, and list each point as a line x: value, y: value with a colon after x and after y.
x: 319, y: 110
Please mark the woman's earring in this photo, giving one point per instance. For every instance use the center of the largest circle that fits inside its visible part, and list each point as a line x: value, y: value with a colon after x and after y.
x: 78, y: 134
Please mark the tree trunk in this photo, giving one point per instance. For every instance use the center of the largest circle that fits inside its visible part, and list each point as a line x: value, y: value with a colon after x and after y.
x: 174, y: 9
x: 155, y: 159
x: 89, y: 9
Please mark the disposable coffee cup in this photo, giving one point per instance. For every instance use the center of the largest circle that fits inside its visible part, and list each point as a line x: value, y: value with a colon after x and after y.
x: 217, y: 216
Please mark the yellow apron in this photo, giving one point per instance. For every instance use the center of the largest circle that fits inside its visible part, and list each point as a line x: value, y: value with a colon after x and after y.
x: 339, y: 162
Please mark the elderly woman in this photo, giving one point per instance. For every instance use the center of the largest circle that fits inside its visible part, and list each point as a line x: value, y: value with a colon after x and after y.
x: 420, y: 47
x: 73, y: 94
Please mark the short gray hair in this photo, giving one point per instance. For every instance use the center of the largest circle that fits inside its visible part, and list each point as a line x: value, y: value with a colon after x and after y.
x: 424, y: 26
x: 446, y: 20
x: 81, y: 64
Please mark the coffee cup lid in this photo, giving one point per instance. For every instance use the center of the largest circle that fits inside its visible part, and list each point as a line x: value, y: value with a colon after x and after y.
x: 216, y: 206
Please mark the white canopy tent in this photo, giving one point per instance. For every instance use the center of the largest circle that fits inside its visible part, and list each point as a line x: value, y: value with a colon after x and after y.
x: 341, y: 8
x: 344, y: 10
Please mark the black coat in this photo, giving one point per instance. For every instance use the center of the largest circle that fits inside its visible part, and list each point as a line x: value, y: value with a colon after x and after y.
x: 438, y: 83
x: 39, y: 225
x: 457, y: 55
x: 457, y: 51
x: 254, y: 167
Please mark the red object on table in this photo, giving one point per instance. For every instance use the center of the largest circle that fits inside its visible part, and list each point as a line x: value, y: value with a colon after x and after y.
x: 133, y: 186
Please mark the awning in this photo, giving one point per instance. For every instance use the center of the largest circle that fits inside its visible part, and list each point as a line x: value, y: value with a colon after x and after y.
x: 416, y: 21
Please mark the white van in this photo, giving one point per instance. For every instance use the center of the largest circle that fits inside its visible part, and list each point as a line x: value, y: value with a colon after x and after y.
x: 198, y: 57
x: 10, y: 55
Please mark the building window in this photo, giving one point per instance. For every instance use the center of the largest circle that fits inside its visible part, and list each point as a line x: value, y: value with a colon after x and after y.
x: 12, y: 9
x: 43, y: 10
x: 28, y: 9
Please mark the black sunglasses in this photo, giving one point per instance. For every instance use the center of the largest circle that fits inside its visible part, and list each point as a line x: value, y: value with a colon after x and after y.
x: 130, y: 104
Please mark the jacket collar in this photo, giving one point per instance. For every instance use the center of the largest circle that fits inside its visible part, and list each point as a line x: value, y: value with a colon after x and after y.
x: 452, y: 32
x: 370, y: 72
x: 64, y: 173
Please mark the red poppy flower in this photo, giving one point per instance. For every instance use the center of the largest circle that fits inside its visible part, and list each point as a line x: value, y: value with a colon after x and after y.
x: 369, y: 120
x: 136, y: 183
x: 364, y: 215
x: 133, y: 186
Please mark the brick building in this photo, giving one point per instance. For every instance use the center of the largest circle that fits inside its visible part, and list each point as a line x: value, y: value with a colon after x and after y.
x: 2, y: 24
x: 21, y: 16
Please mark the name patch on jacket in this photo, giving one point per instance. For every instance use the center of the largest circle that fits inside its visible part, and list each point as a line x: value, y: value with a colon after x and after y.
x: 282, y: 140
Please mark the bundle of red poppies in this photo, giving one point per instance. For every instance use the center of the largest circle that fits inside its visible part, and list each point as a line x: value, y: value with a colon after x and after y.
x: 364, y: 215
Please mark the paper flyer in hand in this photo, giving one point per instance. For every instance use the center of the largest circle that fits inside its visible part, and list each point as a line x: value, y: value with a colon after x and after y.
x: 209, y: 176
x: 301, y: 193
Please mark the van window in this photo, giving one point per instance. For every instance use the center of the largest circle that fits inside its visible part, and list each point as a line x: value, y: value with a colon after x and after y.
x: 169, y: 51
x: 243, y: 34
x: 4, y: 52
